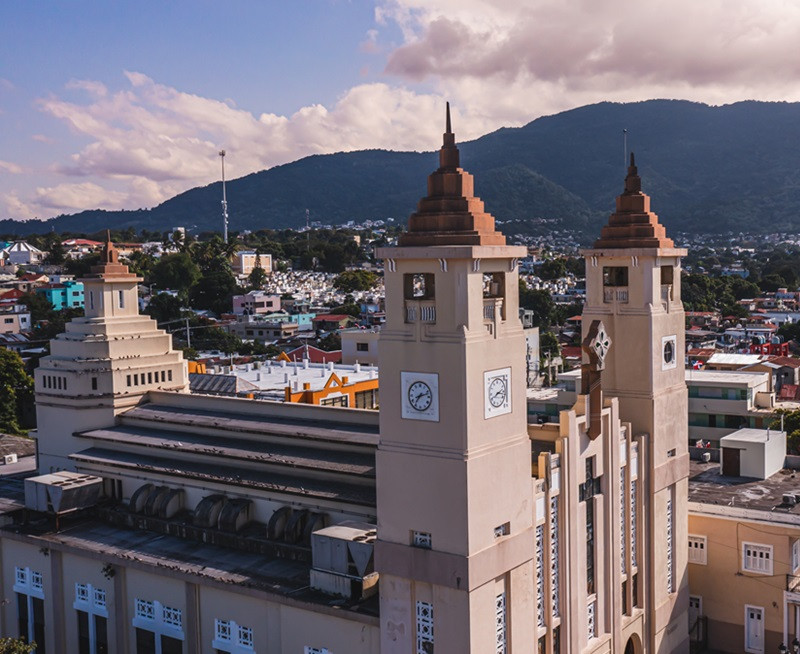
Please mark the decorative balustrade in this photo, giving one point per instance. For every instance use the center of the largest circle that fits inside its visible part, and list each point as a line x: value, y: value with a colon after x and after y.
x: 492, y: 308
x: 615, y: 294
x: 421, y: 311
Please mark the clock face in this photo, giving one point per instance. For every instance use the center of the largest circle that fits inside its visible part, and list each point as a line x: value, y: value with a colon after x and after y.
x: 669, y: 352
x: 497, y: 392
x: 420, y: 396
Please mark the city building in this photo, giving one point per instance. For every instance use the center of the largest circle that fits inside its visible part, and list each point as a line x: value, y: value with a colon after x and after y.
x: 168, y: 521
x: 244, y: 261
x: 66, y: 295
x: 22, y: 253
x: 14, y: 318
x: 360, y: 345
x: 744, y: 548
x: 256, y: 303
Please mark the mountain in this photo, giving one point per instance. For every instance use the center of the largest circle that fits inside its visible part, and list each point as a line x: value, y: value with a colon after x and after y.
x: 709, y: 170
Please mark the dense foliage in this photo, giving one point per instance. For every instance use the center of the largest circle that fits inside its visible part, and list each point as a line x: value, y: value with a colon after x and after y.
x: 16, y: 393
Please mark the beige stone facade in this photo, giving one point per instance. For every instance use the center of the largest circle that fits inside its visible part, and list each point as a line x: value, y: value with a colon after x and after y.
x: 444, y: 521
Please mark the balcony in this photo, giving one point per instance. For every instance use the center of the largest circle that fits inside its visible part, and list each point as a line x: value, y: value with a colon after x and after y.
x: 618, y: 294
x: 420, y: 311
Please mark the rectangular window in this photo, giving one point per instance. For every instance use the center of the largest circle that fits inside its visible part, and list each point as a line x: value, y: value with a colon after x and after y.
x: 94, y: 383
x: 128, y: 380
x: 163, y: 376
x: 757, y: 558
x: 697, y: 549
x: 615, y: 276
x: 145, y: 641
x: 172, y: 617
x: 169, y: 375
x: 421, y: 539
x: 145, y: 609
x: 424, y: 624
x: 360, y: 347
x: 670, y: 543
x: 502, y: 530
x: 149, y: 377
x: 501, y: 646
x: 795, y: 555
x: 121, y: 299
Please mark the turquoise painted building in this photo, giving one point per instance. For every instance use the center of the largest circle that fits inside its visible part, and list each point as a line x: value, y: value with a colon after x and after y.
x: 66, y: 295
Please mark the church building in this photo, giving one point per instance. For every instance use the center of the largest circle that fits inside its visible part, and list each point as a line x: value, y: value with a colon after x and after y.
x: 164, y: 522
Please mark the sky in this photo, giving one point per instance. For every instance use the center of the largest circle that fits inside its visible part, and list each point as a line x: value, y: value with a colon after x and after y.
x: 123, y: 104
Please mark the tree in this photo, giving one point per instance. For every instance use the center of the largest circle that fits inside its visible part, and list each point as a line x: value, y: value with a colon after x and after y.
x: 538, y: 301
x: 56, y: 255
x: 18, y: 645
x: 257, y: 277
x: 330, y: 342
x: 175, y: 271
x: 214, y: 291
x: 16, y: 391
x: 790, y: 421
x: 141, y: 264
x: 355, y: 280
x: 38, y: 305
x: 552, y: 269
x: 164, y: 307
x: 548, y: 345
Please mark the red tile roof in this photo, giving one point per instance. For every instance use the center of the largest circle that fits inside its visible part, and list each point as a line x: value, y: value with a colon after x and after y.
x: 315, y: 355
x: 333, y: 317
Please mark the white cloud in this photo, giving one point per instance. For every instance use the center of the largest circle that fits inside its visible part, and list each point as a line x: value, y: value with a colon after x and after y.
x: 9, y: 167
x: 76, y: 197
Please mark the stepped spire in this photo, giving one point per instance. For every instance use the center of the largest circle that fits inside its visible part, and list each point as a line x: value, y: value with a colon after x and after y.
x: 110, y: 265
x: 633, y: 225
x: 451, y: 214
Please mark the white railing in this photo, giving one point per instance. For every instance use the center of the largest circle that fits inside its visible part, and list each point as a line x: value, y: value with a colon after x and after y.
x: 615, y: 294
x: 421, y: 310
x: 492, y: 308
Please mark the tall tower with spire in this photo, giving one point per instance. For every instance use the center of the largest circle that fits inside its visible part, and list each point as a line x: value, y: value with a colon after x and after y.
x: 102, y: 364
x: 633, y: 284
x: 455, y: 511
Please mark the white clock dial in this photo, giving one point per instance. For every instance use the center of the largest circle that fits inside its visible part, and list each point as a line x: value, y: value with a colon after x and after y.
x: 420, y: 396
x: 497, y: 392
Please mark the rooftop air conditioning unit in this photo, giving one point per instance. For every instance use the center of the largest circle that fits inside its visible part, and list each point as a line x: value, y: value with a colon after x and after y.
x: 789, y: 499
x: 9, y: 458
x: 706, y: 456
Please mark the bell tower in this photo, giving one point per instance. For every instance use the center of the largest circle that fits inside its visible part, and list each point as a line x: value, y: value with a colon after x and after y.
x: 102, y: 364
x: 633, y: 284
x: 455, y: 537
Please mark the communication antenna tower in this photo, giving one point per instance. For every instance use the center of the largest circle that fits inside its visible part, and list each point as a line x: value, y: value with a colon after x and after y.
x: 224, y: 200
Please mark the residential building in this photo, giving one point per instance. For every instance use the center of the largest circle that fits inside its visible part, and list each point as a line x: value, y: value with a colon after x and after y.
x: 244, y: 261
x: 14, y: 318
x: 744, y: 550
x: 256, y: 303
x: 360, y: 345
x: 67, y: 295
x: 331, y: 322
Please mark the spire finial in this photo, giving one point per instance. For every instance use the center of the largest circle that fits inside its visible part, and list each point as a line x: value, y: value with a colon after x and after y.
x: 633, y: 161
x: 448, y: 128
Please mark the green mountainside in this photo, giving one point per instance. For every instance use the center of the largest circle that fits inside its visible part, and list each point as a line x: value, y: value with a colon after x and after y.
x: 708, y: 169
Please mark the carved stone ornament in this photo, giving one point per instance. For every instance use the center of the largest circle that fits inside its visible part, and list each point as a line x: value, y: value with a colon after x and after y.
x: 596, y: 345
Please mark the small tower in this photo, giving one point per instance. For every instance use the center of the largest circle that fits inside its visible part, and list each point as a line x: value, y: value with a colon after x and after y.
x: 633, y: 285
x: 455, y: 511
x: 102, y: 364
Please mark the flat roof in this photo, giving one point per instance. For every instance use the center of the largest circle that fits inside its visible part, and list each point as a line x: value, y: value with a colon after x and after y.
x: 734, y: 359
x: 169, y: 555
x: 748, y: 435
x: 708, y: 486
x: 725, y: 377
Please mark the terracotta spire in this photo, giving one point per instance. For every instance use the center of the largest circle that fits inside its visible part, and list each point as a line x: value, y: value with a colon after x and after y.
x: 633, y: 225
x: 110, y: 265
x: 450, y: 214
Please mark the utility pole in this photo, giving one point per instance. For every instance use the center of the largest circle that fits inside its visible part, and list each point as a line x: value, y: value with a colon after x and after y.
x: 624, y: 148
x: 224, y: 200
x: 188, y: 335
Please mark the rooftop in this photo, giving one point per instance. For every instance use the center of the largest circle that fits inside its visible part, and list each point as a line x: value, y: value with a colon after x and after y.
x: 708, y: 487
x: 724, y: 377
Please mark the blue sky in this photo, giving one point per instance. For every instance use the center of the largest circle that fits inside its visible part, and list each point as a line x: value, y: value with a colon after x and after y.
x: 123, y: 104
